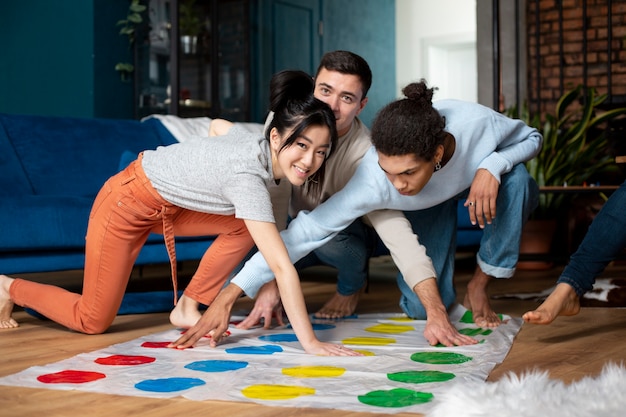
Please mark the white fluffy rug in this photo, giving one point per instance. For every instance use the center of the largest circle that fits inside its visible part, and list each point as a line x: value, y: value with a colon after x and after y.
x: 535, y: 394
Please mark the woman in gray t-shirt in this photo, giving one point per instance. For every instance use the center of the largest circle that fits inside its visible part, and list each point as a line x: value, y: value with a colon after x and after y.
x: 203, y: 186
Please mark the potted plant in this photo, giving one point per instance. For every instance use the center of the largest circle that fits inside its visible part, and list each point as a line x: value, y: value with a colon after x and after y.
x: 575, y: 149
x: 129, y: 25
x: 189, y: 26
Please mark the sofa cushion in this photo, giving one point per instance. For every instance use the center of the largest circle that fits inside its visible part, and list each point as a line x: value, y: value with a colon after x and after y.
x: 43, y: 222
x: 13, y: 179
x: 467, y: 235
x: 75, y: 156
x: 53, y: 223
x: 125, y: 159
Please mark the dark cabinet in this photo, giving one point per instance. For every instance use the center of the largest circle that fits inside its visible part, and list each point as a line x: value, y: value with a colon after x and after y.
x: 192, y: 59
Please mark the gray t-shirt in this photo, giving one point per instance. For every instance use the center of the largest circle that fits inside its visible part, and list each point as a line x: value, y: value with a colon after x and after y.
x: 224, y: 175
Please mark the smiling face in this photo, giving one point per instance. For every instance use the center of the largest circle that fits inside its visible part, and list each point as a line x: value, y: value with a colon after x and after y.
x: 408, y: 173
x: 343, y: 93
x: 303, y: 157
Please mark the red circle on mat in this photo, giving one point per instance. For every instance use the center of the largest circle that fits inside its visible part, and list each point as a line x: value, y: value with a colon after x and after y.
x: 70, y: 377
x: 125, y: 360
x: 155, y: 345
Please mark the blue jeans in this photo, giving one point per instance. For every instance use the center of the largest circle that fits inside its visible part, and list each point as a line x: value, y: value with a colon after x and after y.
x: 604, y: 240
x: 497, y: 256
x: 349, y: 253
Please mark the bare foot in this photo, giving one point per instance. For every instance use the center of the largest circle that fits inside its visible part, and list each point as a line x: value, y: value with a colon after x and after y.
x: 6, y: 305
x: 563, y: 301
x: 338, y: 306
x: 477, y: 301
x: 186, y: 313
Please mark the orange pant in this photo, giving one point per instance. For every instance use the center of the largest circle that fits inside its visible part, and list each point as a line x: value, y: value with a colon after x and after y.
x: 126, y: 210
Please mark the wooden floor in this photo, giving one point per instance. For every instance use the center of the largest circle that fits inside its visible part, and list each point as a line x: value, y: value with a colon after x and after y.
x: 569, y: 349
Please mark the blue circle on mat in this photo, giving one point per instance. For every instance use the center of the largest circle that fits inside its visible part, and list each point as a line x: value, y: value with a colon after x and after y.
x: 255, y: 350
x: 318, y: 326
x: 216, y: 366
x: 169, y: 384
x: 276, y: 338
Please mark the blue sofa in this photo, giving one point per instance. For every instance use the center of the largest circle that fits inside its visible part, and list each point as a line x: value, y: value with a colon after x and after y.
x: 52, y: 169
x: 467, y: 235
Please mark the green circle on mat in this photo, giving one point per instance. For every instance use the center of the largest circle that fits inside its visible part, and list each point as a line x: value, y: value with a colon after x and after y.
x: 397, y: 397
x: 439, y: 358
x: 468, y: 317
x: 475, y: 332
x: 420, y: 377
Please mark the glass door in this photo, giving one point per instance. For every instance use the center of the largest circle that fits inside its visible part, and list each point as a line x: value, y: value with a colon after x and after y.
x: 153, y: 59
x: 198, y: 52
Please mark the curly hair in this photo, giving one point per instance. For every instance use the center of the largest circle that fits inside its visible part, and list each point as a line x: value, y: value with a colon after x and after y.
x: 409, y: 125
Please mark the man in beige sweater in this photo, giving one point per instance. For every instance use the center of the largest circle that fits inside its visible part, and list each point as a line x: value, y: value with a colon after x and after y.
x: 342, y: 81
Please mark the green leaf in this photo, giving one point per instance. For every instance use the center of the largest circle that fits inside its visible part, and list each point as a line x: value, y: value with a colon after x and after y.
x: 135, y: 18
x: 137, y: 8
x: 575, y: 144
x: 124, y: 67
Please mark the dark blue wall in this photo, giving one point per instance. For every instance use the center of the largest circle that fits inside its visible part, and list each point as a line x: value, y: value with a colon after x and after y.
x: 113, y: 98
x: 58, y: 58
x: 365, y: 27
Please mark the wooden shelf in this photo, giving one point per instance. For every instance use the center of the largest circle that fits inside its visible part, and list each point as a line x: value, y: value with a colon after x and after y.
x: 578, y: 188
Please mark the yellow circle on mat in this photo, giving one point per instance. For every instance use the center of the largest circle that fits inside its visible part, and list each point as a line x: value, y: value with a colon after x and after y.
x: 314, y: 371
x: 401, y: 319
x: 378, y: 341
x: 389, y: 328
x: 276, y: 392
x: 364, y: 352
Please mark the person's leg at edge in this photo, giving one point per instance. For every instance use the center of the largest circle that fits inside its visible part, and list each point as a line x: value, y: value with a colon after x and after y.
x: 436, y: 230
x: 499, y: 247
x: 349, y: 253
x: 6, y: 304
x: 604, y: 240
x: 114, y: 238
x: 232, y: 244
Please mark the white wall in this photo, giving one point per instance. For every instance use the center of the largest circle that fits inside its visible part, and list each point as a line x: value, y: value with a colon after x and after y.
x: 437, y: 41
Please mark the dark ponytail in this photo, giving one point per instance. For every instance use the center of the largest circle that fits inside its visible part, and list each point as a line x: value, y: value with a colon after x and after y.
x: 295, y: 108
x: 410, y: 125
x: 286, y: 86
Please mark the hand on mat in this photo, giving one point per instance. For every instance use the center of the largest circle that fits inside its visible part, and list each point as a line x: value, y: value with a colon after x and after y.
x: 440, y: 330
x: 329, y: 349
x: 266, y: 307
x: 214, y: 321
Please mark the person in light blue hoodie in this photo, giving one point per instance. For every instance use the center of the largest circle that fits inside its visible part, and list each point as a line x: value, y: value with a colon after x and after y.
x: 425, y: 156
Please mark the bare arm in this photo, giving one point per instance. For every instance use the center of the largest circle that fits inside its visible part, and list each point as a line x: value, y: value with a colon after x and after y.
x: 411, y: 259
x: 273, y: 249
x: 219, y: 127
x: 438, y: 328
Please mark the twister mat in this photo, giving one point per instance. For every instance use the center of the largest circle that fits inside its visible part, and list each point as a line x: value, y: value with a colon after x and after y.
x: 399, y: 371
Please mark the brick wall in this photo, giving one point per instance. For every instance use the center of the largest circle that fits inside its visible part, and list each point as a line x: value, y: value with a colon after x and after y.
x: 570, y: 43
